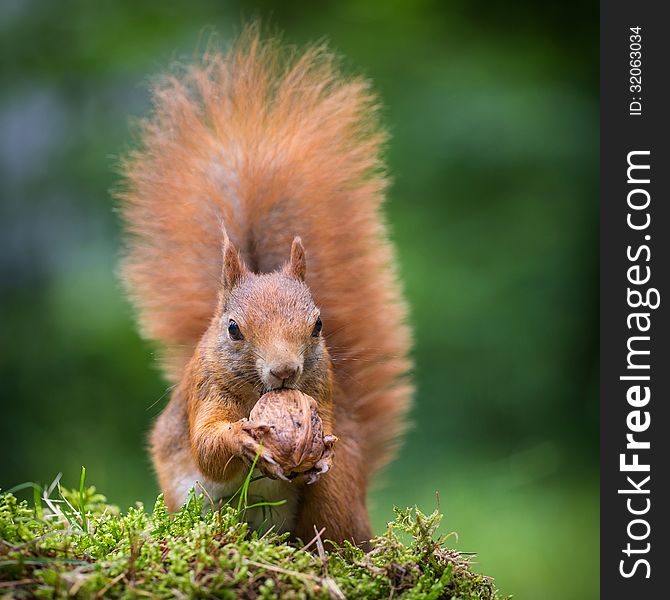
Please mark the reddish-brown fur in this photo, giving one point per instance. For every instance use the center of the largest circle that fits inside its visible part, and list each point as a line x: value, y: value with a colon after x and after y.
x: 268, y: 144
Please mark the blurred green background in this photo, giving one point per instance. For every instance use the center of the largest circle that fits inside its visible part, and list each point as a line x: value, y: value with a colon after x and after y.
x: 493, y: 109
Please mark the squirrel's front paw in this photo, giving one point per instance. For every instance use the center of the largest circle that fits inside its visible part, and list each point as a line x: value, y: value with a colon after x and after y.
x: 322, y: 466
x: 251, y: 450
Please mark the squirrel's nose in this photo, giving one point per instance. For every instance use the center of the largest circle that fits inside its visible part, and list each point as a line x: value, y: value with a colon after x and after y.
x: 284, y: 372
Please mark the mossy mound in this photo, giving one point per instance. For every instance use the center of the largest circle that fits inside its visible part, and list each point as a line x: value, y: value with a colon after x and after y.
x: 79, y: 546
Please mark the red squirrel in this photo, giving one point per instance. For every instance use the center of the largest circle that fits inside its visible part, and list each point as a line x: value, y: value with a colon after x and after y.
x: 258, y: 258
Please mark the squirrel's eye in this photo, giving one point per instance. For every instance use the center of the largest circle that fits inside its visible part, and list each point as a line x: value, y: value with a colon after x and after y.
x: 234, y: 330
x: 317, y: 328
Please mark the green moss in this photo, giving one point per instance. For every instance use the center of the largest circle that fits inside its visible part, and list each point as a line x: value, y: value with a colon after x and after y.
x: 76, y: 545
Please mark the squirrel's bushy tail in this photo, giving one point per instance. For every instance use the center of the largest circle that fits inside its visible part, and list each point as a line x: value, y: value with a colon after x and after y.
x: 271, y: 144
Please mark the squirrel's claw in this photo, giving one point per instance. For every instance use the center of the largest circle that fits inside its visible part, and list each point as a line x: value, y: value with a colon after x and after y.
x: 313, y: 475
x: 329, y: 440
x: 265, y: 462
x: 322, y: 466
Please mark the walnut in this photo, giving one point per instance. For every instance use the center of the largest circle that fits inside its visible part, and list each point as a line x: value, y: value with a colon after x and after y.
x: 295, y: 431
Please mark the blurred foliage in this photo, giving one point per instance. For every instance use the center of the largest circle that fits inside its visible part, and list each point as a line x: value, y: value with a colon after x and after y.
x: 493, y: 108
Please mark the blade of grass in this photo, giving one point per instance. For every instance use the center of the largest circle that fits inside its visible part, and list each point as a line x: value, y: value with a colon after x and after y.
x: 22, y: 486
x: 247, y: 482
x: 82, y: 502
x: 37, y: 500
x: 69, y: 511
x: 266, y: 503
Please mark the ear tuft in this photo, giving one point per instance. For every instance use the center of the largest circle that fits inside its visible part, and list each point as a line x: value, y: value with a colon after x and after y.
x: 233, y: 268
x: 297, y: 265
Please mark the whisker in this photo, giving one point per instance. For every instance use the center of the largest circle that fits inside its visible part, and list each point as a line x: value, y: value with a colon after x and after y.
x: 165, y: 393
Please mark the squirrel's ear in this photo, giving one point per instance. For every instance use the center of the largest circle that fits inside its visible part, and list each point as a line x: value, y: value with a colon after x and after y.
x: 233, y: 268
x: 297, y: 264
